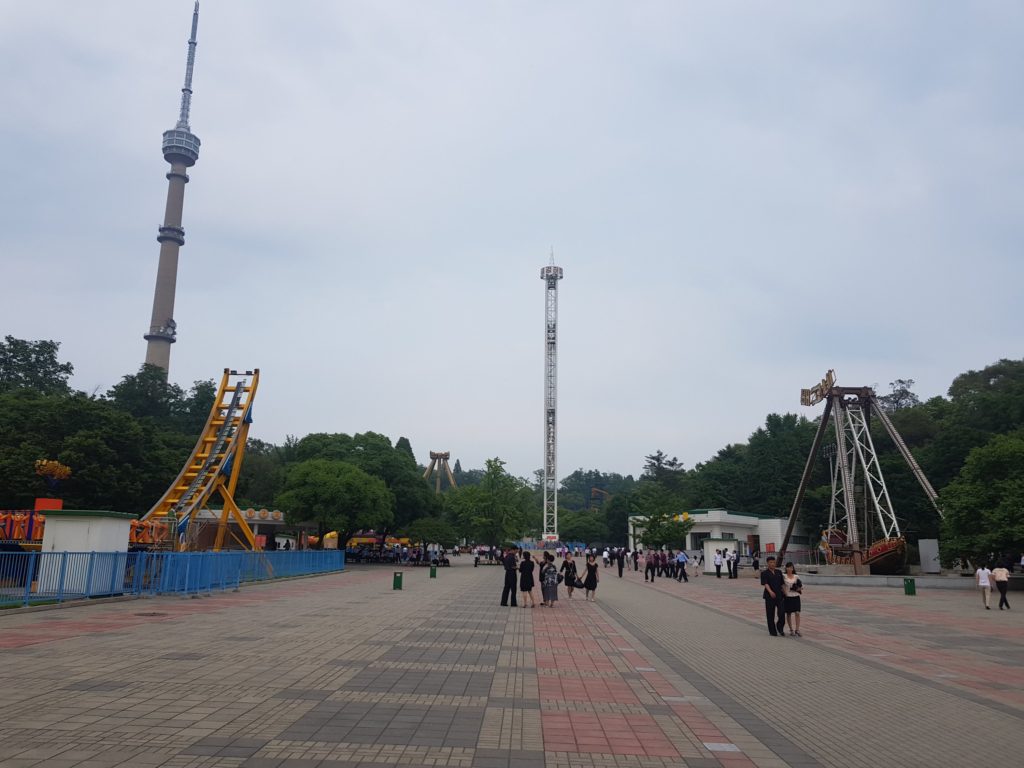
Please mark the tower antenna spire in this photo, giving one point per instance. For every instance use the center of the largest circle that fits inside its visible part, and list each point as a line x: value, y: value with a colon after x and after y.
x: 181, y: 150
x: 186, y: 91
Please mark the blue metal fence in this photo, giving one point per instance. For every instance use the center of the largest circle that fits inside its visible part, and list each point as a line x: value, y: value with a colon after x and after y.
x: 28, y: 578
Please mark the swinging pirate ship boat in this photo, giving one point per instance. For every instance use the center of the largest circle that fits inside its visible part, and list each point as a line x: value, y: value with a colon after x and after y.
x: 863, y: 530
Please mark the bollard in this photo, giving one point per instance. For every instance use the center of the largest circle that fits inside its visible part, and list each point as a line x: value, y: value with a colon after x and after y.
x: 396, y: 582
x: 909, y: 587
x: 433, y: 571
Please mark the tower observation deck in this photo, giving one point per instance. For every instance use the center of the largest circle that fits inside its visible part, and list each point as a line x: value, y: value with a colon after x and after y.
x: 180, y: 150
x: 550, y: 275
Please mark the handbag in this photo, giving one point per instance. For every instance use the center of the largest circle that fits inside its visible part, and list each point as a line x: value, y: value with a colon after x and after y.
x: 579, y: 583
x: 561, y: 578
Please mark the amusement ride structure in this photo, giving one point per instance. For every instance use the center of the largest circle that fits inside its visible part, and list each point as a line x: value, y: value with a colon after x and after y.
x: 438, y: 467
x: 550, y: 275
x: 211, y: 470
x: 863, y: 530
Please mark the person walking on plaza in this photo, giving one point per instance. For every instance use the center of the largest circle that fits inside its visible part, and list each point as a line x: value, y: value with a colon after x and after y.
x: 718, y: 563
x: 681, y: 560
x: 734, y: 562
x: 982, y: 578
x: 771, y: 580
x: 792, y: 588
x: 636, y: 560
x: 590, y: 582
x: 649, y: 560
x: 509, y: 562
x: 568, y: 570
x: 620, y: 556
x: 526, y: 582
x: 549, y: 580
x: 1001, y: 576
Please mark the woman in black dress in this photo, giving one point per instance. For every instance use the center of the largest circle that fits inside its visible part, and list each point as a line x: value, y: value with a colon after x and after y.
x: 590, y: 582
x: 526, y: 583
x: 568, y: 570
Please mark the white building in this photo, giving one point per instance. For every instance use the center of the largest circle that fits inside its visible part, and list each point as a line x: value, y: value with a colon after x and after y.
x: 746, y: 533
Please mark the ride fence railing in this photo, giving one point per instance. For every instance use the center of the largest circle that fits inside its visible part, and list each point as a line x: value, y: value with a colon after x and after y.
x: 32, y: 578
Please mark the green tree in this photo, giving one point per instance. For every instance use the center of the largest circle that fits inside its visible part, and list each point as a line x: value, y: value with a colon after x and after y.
x: 404, y: 446
x: 336, y: 496
x: 984, y: 506
x: 148, y: 394
x: 373, y: 453
x: 587, y: 526
x: 33, y: 365
x: 430, y: 530
x: 117, y: 462
x: 497, y: 510
x: 900, y: 396
x: 665, y: 529
x: 262, y: 476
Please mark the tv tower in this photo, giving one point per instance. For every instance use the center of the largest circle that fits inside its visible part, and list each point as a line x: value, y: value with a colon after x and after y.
x: 181, y: 150
x: 550, y: 275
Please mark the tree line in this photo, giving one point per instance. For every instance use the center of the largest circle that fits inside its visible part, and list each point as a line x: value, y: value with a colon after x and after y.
x: 126, y: 445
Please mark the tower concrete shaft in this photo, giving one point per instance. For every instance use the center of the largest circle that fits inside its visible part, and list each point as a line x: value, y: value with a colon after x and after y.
x: 180, y: 150
x: 551, y: 275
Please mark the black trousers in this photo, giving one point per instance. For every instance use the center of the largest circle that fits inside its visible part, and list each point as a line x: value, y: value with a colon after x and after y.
x: 1001, y: 586
x: 718, y: 570
x: 775, y: 613
x: 649, y: 571
x: 682, y: 574
x: 510, y: 589
x: 620, y: 567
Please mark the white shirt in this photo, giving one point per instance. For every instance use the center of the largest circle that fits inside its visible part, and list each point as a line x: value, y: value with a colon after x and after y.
x: 718, y: 559
x: 982, y: 575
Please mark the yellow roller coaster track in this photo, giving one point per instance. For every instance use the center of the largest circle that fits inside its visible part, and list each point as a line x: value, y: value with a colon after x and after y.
x: 213, y: 467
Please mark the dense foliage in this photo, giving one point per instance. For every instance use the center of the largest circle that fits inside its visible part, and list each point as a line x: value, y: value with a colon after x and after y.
x: 125, y: 446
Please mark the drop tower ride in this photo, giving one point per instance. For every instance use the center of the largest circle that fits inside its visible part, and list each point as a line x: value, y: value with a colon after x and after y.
x: 181, y: 150
x: 550, y: 275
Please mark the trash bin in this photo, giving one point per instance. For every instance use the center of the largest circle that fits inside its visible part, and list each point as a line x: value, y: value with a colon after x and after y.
x: 433, y: 571
x: 396, y: 582
x: 909, y: 587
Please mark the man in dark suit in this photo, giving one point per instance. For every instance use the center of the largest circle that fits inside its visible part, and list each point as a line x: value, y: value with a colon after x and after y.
x: 509, y: 561
x: 775, y: 613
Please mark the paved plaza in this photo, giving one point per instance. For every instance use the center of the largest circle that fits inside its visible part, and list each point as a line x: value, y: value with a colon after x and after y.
x: 340, y: 671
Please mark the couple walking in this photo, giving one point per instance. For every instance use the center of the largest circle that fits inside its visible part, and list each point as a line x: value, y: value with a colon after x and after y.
x: 781, y: 598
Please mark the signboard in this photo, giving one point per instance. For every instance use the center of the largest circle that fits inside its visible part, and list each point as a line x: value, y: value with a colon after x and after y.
x: 550, y: 537
x: 819, y: 391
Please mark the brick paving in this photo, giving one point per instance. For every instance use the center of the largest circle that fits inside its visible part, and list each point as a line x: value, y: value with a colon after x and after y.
x: 340, y: 671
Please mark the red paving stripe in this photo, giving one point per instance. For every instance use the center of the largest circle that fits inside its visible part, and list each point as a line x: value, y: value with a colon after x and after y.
x: 581, y: 643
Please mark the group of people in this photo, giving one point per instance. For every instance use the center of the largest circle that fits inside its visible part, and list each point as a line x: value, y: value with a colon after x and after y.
x: 520, y: 566
x: 730, y: 559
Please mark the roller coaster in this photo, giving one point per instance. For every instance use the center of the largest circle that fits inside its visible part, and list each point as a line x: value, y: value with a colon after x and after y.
x: 211, y: 470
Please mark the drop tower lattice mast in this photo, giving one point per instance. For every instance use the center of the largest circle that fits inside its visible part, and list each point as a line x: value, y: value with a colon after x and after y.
x: 550, y: 275
x: 181, y: 150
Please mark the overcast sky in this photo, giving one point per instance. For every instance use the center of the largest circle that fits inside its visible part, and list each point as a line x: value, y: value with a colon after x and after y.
x: 742, y: 196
